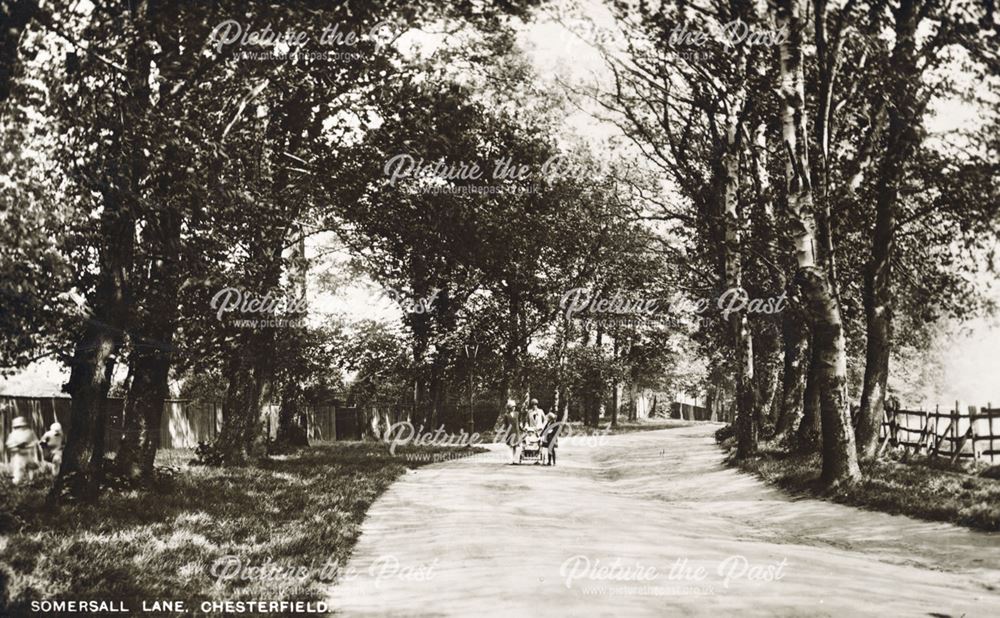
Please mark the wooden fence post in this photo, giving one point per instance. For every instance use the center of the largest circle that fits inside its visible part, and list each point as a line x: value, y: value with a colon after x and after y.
x: 921, y: 438
x: 972, y: 430
x: 886, y: 426
x: 961, y: 445
x: 989, y: 423
x: 932, y: 435
x: 954, y: 429
x: 942, y: 437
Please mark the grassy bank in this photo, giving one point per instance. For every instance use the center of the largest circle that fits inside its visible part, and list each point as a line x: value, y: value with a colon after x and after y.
x: 928, y: 488
x: 294, y: 519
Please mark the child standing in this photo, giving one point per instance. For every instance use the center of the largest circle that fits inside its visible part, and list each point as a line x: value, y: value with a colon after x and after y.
x: 22, y: 445
x: 550, y: 438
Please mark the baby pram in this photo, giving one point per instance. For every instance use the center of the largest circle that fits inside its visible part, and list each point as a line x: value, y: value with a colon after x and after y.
x: 531, y: 448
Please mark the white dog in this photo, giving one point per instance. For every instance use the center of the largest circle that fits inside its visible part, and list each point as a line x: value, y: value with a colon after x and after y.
x: 52, y: 442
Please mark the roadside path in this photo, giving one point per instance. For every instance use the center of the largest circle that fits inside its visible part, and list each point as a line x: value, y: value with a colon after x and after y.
x: 477, y: 537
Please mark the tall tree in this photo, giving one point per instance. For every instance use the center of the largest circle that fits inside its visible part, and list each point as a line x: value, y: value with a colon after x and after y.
x: 840, y: 463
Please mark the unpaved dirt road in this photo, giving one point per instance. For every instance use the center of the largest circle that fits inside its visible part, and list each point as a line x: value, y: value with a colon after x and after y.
x: 623, y: 528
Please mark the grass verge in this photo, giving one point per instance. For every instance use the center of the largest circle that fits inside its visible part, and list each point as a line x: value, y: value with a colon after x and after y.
x: 280, y: 531
x: 927, y: 488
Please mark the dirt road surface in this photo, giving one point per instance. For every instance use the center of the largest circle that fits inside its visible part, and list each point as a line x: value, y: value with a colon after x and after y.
x: 649, y: 524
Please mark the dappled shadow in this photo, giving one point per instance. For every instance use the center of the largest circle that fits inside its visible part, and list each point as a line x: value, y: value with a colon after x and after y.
x: 303, y: 509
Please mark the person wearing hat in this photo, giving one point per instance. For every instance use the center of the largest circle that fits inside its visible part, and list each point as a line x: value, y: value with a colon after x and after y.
x: 512, y: 429
x: 22, y: 449
x: 536, y: 416
x: 52, y: 445
x: 550, y: 438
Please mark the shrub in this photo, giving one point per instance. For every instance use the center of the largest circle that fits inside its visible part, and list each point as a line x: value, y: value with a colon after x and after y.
x: 724, y: 433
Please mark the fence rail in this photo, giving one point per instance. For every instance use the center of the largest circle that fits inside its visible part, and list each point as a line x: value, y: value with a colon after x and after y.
x: 973, y: 433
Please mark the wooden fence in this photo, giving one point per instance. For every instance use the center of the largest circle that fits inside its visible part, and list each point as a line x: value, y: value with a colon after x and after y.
x: 971, y: 433
x: 185, y: 423
x: 686, y: 411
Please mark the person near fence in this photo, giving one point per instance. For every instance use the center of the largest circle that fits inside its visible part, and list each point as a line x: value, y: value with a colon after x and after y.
x: 22, y: 446
x: 52, y: 445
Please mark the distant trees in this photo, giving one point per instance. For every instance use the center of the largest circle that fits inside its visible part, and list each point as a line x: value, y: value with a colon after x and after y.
x: 485, y: 258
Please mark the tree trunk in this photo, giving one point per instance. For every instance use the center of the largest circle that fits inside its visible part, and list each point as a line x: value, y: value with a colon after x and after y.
x: 241, y: 440
x: 94, y: 358
x: 767, y: 332
x: 616, y: 401
x: 292, y: 422
x: 510, y: 377
x: 420, y: 390
x: 90, y: 378
x: 502, y: 403
x: 152, y: 354
x: 95, y: 354
x: 633, y: 397
x: 808, y: 435
x: 506, y: 383
x: 901, y: 140
x: 878, y: 313
x: 437, y: 386
x: 747, y: 425
x: 249, y: 368
x: 767, y: 369
x: 616, y: 396
x: 795, y: 337
x: 143, y: 410
x: 840, y: 464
